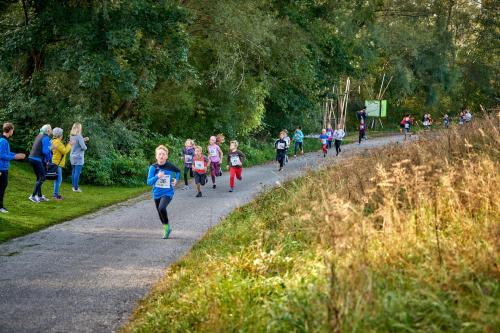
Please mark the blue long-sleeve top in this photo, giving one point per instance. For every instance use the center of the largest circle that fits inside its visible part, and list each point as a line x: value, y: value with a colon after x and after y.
x: 45, y: 155
x: 46, y: 149
x: 5, y: 154
x: 162, y: 187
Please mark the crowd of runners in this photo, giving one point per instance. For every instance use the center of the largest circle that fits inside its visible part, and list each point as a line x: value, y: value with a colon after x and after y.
x: 48, y: 157
x: 406, y: 124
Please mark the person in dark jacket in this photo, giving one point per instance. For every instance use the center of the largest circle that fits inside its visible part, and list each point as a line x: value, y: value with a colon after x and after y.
x: 40, y: 156
x: 5, y: 157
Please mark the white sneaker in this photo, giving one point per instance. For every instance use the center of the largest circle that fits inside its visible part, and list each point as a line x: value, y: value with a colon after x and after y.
x: 3, y: 210
x: 186, y: 187
x: 77, y: 190
x: 43, y: 198
x: 34, y: 198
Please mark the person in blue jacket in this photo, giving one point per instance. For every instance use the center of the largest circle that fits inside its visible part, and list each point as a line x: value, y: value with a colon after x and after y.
x: 5, y: 157
x: 40, y: 156
x: 163, y: 176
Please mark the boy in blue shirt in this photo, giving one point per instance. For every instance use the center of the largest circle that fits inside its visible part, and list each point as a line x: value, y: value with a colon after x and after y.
x: 5, y: 157
x: 163, y: 176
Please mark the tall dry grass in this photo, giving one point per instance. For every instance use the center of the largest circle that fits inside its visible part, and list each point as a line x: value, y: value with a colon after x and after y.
x: 425, y: 214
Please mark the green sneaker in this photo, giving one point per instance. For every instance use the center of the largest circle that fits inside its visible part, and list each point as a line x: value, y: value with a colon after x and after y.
x: 168, y: 230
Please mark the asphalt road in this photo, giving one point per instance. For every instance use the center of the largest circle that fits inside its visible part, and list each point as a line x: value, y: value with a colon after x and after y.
x: 87, y: 274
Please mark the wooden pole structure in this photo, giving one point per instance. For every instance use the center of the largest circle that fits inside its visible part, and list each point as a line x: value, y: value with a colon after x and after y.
x: 387, y: 86
x: 381, y: 86
x: 343, y: 102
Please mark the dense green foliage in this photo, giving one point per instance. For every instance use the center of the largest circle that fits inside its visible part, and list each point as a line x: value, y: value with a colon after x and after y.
x: 136, y: 71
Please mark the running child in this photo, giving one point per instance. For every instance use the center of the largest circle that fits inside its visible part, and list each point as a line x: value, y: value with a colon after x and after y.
x: 329, y: 133
x: 188, y: 154
x: 362, y: 130
x: 220, y: 139
x: 338, y: 135
x: 298, y: 137
x: 407, y: 123
x: 287, y: 139
x: 235, y: 160
x: 323, y: 138
x: 446, y: 121
x: 200, y: 165
x: 163, y: 176
x: 215, y: 155
x: 281, y: 147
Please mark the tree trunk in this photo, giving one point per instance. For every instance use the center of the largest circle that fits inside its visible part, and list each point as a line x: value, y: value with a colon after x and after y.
x: 122, y: 110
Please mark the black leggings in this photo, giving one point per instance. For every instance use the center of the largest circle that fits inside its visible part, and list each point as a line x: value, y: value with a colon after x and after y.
x: 161, y: 207
x: 280, y: 157
x: 40, y: 176
x: 4, y: 180
x: 361, y: 135
x: 337, y: 146
x: 186, y: 171
x: 329, y: 144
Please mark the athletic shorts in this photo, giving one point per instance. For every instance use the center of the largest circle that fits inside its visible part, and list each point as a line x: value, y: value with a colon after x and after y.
x: 200, y: 178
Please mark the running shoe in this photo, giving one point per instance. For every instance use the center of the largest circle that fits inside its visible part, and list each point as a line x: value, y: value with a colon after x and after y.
x: 3, y: 210
x: 34, y: 198
x: 214, y: 186
x: 43, y: 198
x: 78, y: 190
x: 198, y: 195
x: 231, y: 189
x: 166, y: 235
x: 58, y: 197
x: 186, y: 187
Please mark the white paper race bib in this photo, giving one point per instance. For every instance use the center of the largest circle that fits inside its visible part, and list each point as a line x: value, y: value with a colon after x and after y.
x: 214, y: 152
x: 163, y: 182
x: 281, y: 145
x: 199, y: 165
x: 323, y: 141
x: 407, y: 125
x: 188, y: 158
x: 235, y: 160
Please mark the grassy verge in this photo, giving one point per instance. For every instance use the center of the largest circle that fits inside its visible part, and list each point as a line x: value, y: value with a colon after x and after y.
x: 25, y: 217
x: 408, y: 243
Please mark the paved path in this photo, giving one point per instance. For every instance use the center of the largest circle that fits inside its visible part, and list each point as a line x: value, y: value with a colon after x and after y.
x: 86, y: 275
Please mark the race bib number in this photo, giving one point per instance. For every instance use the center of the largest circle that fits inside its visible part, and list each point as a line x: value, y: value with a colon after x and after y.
x: 281, y: 145
x: 214, y: 152
x: 407, y: 125
x: 199, y: 165
x: 235, y: 160
x: 163, y: 182
x: 323, y: 141
x: 188, y: 158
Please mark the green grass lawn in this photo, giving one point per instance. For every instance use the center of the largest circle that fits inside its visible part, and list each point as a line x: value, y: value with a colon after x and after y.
x: 25, y: 216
